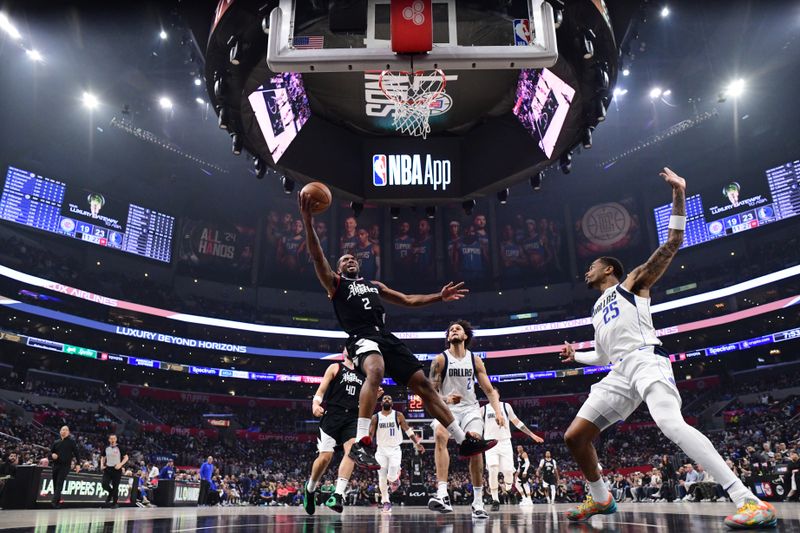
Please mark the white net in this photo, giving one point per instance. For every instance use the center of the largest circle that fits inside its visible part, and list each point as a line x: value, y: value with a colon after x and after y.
x: 413, y: 95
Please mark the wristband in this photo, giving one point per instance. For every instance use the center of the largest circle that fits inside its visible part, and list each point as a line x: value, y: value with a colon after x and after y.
x: 410, y: 433
x: 677, y: 222
x: 317, y: 399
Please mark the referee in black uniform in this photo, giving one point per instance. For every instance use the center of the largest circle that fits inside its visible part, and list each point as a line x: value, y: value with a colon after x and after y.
x: 111, y: 463
x: 62, y: 452
x: 373, y: 349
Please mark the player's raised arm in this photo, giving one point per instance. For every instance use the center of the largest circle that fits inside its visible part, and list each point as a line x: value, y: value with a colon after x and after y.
x: 488, y: 389
x: 401, y: 419
x: 449, y: 293
x: 325, y: 274
x: 645, y: 276
x: 591, y: 358
x: 316, y: 406
x: 520, y: 425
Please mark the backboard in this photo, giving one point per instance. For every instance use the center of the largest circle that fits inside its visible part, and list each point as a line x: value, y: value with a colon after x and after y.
x: 466, y: 35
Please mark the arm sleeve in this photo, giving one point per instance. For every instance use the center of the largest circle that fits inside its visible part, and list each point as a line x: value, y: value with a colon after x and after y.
x: 591, y: 358
x: 541, y: 463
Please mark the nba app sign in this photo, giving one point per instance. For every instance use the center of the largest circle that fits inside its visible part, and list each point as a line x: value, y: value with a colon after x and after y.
x: 407, y: 170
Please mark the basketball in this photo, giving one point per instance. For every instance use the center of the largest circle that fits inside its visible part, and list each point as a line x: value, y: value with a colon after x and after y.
x: 321, y: 195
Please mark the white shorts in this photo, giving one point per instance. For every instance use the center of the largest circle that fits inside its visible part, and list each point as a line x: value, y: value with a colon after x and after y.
x: 618, y: 394
x: 468, y: 419
x: 501, y: 456
x: 389, y: 458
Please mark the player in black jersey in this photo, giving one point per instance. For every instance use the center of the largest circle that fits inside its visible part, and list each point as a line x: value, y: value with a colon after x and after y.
x: 548, y: 470
x: 339, y: 391
x: 373, y: 349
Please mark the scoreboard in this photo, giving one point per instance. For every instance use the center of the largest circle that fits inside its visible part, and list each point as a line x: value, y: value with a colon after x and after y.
x: 415, y: 407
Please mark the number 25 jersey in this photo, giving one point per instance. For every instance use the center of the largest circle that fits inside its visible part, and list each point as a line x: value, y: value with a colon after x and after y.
x: 622, y: 323
x: 358, y: 306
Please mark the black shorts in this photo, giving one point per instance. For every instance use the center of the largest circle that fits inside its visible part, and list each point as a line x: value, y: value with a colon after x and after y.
x: 399, y: 361
x: 522, y: 476
x: 335, y: 428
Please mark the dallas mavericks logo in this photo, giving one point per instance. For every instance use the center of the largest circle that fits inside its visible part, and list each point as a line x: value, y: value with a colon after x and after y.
x: 379, y: 178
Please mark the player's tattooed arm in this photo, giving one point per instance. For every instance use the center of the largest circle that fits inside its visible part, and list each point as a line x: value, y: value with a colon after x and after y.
x: 435, y: 374
x: 643, y: 277
x: 373, y: 426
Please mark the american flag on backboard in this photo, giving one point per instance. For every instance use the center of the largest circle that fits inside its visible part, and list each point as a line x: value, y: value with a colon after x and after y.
x: 308, y: 42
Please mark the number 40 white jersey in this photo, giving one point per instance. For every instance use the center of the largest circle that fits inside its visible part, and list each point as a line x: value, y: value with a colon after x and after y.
x: 388, y: 431
x: 622, y: 324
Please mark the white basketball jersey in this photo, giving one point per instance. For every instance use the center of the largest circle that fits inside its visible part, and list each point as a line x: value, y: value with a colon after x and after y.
x: 388, y: 432
x: 490, y: 428
x: 622, y: 323
x: 458, y: 377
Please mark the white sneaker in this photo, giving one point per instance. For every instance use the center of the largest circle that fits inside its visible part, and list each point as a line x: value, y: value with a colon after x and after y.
x: 441, y: 505
x: 479, y: 512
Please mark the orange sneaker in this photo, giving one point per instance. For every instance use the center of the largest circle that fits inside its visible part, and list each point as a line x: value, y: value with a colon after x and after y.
x: 589, y: 508
x: 753, y: 514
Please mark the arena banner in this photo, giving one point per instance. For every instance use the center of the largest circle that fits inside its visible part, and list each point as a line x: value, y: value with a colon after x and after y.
x: 84, y: 488
x: 169, y: 395
x: 413, y: 250
x: 468, y: 243
x: 608, y: 227
x: 260, y: 436
x: 215, y: 247
x: 173, y: 430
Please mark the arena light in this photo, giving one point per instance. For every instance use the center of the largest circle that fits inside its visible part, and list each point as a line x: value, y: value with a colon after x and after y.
x: 587, y: 138
x: 163, y: 35
x: 502, y: 196
x: 619, y: 91
x: 536, y: 181
x: 626, y: 72
x: 260, y: 168
x: 666, y: 93
x: 200, y: 101
x: 233, y: 54
x: 90, y: 101
x: 165, y: 103
x: 287, y: 184
x: 357, y: 208
x: 198, y: 82
x: 566, y: 163
x: 430, y: 211
x: 236, y: 143
x: 468, y: 206
x: 394, y: 212
x: 735, y: 88
x: 599, y: 109
x: 219, y: 88
x: 587, y: 44
x: 9, y: 28
x: 34, y: 55
x: 655, y: 92
x: 223, y: 118
x: 664, y: 12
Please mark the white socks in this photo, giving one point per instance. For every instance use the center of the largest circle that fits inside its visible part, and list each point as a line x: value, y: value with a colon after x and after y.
x: 598, y: 490
x: 441, y: 492
x: 455, y: 431
x: 312, y: 485
x: 477, y: 499
x: 362, y: 430
x: 341, y: 486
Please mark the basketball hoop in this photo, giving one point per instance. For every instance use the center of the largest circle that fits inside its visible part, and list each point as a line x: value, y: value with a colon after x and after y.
x: 412, y: 94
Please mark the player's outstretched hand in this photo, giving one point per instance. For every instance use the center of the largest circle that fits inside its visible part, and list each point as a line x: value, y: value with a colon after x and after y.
x: 304, y: 202
x: 453, y: 291
x: 673, y: 179
x: 536, y: 438
x: 567, y: 353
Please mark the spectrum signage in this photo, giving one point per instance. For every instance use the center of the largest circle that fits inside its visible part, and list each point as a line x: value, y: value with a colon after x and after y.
x: 410, y: 169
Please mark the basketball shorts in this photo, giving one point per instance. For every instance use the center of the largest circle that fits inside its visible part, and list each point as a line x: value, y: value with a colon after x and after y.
x: 400, y: 363
x: 468, y: 418
x: 501, y: 457
x: 336, y: 428
x: 389, y: 458
x: 617, y: 395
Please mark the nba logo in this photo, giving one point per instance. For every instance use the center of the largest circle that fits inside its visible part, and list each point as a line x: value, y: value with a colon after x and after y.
x: 379, y: 170
x: 522, y: 32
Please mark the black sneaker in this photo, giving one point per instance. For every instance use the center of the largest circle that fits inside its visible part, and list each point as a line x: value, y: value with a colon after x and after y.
x: 495, y: 505
x: 480, y: 513
x: 335, y: 503
x: 441, y: 505
x: 309, y: 501
x: 364, y: 458
x: 472, y: 446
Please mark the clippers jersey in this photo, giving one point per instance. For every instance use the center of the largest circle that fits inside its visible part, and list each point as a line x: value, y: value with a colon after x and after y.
x: 458, y: 377
x: 388, y: 432
x: 344, y: 390
x: 490, y: 428
x: 367, y: 259
x: 548, y: 468
x: 622, y: 323
x: 358, y: 305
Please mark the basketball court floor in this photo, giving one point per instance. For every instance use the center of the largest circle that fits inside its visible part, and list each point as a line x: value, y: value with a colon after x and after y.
x: 632, y: 517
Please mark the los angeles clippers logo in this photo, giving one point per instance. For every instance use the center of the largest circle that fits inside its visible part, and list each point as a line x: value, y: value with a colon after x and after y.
x: 379, y: 178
